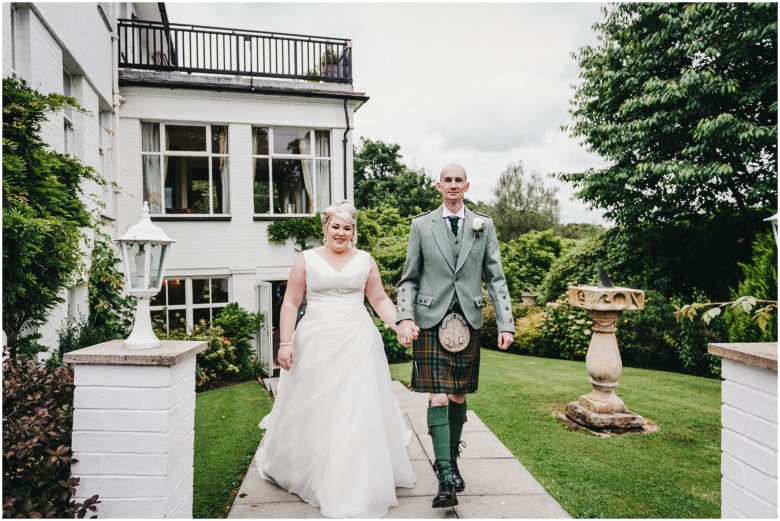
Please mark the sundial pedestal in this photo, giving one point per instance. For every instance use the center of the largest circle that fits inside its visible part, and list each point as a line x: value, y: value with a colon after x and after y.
x: 602, y: 410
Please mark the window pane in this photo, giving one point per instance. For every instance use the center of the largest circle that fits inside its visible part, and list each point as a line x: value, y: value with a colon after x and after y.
x: 175, y: 292
x: 152, y: 190
x: 219, y: 134
x: 179, y: 137
x: 156, y: 262
x: 261, y: 187
x: 201, y: 290
x: 323, y: 143
x: 177, y: 320
x: 220, y: 185
x: 215, y: 311
x: 293, y: 186
x: 199, y: 314
x: 291, y: 141
x: 187, y: 185
x: 158, y: 320
x: 150, y: 137
x: 159, y: 298
x: 323, y: 184
x: 219, y: 290
x: 260, y: 138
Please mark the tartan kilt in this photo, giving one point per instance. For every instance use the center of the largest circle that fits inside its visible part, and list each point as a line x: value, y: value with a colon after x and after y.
x: 436, y: 370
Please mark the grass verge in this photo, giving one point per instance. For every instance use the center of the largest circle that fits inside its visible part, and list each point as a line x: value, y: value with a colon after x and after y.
x: 226, y: 437
x: 673, y: 473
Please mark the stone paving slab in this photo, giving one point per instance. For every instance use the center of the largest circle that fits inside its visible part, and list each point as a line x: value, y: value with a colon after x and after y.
x: 497, y: 485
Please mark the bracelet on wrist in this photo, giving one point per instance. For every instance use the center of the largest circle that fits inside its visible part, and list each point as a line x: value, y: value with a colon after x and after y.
x: 285, y: 343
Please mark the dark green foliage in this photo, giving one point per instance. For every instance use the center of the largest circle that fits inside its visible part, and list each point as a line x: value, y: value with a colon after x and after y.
x: 299, y: 229
x: 110, y: 314
x: 579, y: 266
x: 578, y: 230
x: 390, y: 255
x: 230, y: 356
x: 691, y: 339
x: 528, y: 258
x: 37, y: 430
x: 527, y: 331
x: 566, y: 332
x: 240, y: 325
x: 379, y: 222
x: 522, y: 203
x: 76, y: 333
x: 393, y: 349
x: 381, y: 178
x: 680, y: 99
x: 759, y: 279
x: 43, y: 213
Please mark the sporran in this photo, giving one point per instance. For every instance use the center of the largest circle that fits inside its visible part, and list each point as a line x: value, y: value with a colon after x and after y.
x: 454, y: 334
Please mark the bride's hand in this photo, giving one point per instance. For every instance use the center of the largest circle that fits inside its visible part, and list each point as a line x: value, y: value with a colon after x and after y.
x: 286, y: 357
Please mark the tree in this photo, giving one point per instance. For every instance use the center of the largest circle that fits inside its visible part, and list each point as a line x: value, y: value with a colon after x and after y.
x: 681, y: 100
x: 44, y: 216
x: 527, y: 259
x: 522, y: 203
x: 381, y: 178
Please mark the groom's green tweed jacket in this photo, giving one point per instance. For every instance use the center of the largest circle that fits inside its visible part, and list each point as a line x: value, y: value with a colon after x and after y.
x: 431, y: 278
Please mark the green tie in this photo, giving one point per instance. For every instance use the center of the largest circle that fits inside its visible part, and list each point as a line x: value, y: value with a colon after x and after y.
x: 454, y: 224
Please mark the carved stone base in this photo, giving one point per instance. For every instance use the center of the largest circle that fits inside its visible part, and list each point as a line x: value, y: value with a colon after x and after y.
x: 612, y: 422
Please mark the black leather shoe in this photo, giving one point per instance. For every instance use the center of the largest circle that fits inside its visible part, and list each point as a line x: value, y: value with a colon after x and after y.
x: 446, y: 496
x: 457, y: 479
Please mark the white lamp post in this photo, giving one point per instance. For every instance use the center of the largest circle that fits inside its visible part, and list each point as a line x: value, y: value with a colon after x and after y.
x: 773, y: 221
x: 143, y: 256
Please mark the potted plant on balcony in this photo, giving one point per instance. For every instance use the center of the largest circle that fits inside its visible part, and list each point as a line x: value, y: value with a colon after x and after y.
x: 330, y: 63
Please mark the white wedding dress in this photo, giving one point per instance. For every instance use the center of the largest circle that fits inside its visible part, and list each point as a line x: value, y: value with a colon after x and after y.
x: 335, y: 436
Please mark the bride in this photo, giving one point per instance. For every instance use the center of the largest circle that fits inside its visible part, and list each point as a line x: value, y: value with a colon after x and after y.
x: 335, y: 436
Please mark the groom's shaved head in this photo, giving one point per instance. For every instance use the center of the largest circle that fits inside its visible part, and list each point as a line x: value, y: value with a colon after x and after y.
x: 453, y: 168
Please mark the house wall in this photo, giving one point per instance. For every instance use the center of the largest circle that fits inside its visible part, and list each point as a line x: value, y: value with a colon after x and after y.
x: 238, y: 248
x: 749, y: 441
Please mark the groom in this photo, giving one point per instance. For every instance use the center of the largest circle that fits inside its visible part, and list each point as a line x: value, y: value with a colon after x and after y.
x: 450, y: 250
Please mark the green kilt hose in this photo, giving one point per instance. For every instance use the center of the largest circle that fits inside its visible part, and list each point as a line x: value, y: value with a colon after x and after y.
x: 436, y: 370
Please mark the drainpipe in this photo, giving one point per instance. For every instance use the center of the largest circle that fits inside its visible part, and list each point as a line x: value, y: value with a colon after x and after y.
x: 344, y: 143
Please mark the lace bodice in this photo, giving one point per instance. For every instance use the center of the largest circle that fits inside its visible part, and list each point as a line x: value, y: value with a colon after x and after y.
x: 324, y: 284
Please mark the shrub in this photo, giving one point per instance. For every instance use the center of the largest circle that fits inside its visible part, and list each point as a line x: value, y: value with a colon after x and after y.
x: 37, y: 430
x: 489, y: 330
x: 641, y: 335
x: 528, y: 258
x: 759, y: 279
x: 393, y: 349
x: 566, y: 332
x: 578, y: 266
x: 301, y: 230
x: 690, y: 340
x: 239, y: 326
x: 78, y: 332
x: 390, y: 255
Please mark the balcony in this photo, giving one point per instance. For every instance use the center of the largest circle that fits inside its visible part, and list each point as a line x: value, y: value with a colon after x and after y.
x: 199, y: 51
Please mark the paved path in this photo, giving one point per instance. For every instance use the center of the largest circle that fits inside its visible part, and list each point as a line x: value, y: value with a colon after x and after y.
x: 497, y: 485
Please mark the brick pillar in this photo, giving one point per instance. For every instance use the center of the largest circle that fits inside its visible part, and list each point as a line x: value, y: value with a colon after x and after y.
x: 749, y: 433
x: 133, y: 428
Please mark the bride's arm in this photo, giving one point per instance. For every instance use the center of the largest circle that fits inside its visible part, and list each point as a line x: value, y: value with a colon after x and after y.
x: 293, y: 296
x: 379, y: 300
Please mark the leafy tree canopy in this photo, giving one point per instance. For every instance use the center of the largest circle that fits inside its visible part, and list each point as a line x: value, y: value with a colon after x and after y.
x: 681, y: 99
x: 381, y: 178
x: 522, y: 203
x: 44, y: 216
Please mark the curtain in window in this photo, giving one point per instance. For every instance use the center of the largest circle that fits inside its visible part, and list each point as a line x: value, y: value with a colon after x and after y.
x: 323, y: 184
x: 221, y: 144
x: 150, y: 142
x: 308, y: 183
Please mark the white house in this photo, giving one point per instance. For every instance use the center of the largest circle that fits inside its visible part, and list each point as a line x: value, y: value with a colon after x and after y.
x: 221, y: 131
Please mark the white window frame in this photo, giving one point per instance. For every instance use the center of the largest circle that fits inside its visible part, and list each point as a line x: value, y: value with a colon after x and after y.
x: 68, y: 132
x: 208, y: 154
x: 189, y: 306
x: 313, y: 157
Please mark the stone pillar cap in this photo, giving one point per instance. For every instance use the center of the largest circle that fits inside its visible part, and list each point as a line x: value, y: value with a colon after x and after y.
x: 758, y: 354
x: 170, y: 352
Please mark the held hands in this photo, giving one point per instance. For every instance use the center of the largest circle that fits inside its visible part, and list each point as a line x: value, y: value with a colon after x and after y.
x: 406, y: 332
x: 286, y: 356
x: 505, y: 339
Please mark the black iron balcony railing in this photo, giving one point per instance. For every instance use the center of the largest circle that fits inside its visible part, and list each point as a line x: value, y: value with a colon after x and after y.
x: 213, y: 50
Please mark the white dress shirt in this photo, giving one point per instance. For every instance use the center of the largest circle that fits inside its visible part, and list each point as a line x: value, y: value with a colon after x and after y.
x: 461, y: 215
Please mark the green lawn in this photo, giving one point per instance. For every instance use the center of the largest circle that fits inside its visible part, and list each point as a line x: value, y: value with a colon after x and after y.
x: 674, y: 473
x: 226, y: 437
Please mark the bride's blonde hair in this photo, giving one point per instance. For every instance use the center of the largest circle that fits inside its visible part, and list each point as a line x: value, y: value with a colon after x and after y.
x: 345, y: 211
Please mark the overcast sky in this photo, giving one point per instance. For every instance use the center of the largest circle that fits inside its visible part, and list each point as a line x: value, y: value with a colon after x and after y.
x: 483, y: 85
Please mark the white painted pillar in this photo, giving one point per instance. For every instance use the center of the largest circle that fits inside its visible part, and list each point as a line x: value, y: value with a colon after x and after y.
x: 133, y: 428
x: 749, y: 430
